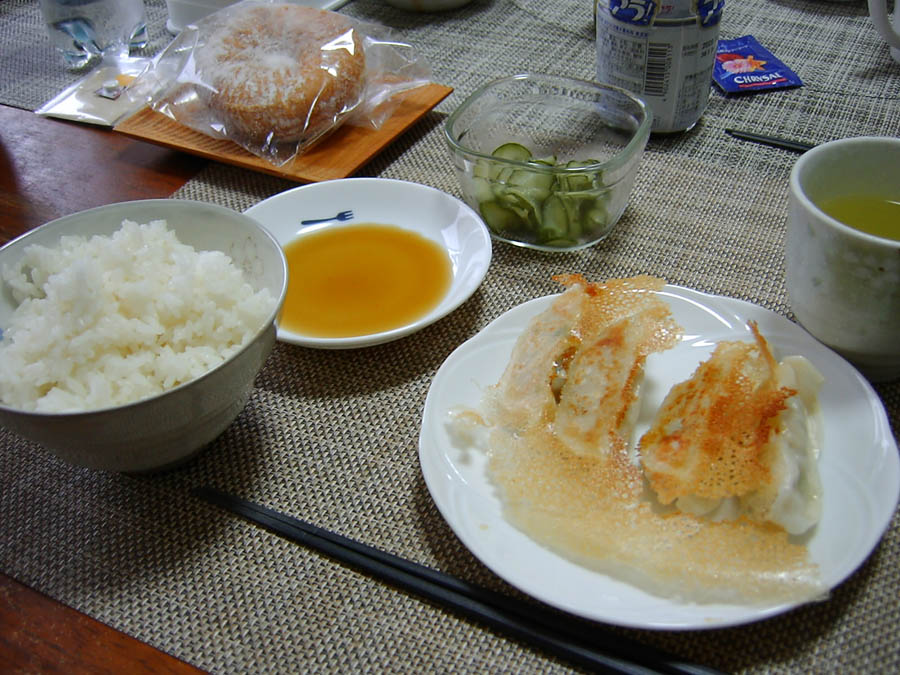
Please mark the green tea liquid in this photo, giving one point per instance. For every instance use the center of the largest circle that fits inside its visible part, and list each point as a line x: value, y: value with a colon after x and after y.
x: 870, y: 213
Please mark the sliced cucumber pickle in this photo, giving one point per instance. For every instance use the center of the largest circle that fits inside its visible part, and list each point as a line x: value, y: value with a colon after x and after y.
x: 482, y: 169
x: 554, y: 219
x: 545, y: 206
x: 512, y: 151
x: 499, y: 218
x: 538, y: 181
x: 482, y: 188
x: 577, y: 182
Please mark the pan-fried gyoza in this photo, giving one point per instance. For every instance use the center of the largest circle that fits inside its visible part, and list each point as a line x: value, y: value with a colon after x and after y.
x: 739, y: 438
x: 558, y: 429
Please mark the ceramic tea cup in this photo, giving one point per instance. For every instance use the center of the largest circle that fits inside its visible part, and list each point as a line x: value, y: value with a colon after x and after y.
x: 887, y: 28
x: 844, y: 282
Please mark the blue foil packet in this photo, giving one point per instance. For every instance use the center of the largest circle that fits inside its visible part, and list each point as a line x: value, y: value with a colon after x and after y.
x: 744, y: 66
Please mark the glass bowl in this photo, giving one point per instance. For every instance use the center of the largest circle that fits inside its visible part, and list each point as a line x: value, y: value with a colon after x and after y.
x: 549, y: 162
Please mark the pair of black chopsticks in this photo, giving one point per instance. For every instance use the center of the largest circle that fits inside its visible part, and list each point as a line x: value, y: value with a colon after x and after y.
x: 558, y: 634
x: 773, y: 141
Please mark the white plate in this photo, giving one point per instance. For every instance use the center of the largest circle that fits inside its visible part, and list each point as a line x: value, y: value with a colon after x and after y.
x: 859, y: 465
x: 411, y: 206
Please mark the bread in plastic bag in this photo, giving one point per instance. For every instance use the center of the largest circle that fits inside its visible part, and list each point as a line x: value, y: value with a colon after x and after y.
x: 277, y: 77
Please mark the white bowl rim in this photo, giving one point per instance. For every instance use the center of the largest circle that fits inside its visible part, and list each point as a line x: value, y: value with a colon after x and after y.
x: 265, y: 326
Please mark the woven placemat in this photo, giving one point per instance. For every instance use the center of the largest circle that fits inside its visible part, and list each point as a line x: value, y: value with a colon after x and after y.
x: 332, y: 436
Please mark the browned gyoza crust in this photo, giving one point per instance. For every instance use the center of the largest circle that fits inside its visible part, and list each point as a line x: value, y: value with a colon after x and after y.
x: 712, y: 436
x: 282, y: 72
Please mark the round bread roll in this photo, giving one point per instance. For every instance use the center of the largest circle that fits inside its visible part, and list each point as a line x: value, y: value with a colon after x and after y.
x: 281, y: 72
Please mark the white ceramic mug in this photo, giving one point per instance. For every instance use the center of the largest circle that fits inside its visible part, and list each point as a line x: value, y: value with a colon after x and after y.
x: 889, y: 30
x: 844, y: 284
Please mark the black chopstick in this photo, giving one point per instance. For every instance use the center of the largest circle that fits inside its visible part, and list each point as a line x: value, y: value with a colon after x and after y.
x: 530, y: 623
x: 773, y: 141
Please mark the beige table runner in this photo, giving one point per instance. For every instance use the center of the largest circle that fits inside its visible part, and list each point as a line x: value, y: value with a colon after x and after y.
x: 332, y: 436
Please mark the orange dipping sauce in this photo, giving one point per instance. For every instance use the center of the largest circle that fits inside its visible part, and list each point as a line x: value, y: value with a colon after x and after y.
x: 362, y: 279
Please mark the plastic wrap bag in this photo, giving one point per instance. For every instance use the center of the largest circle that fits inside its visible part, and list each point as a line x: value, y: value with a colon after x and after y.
x: 98, y: 97
x: 276, y: 77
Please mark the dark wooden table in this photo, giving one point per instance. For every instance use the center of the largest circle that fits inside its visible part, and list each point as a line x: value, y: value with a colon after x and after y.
x: 50, y: 168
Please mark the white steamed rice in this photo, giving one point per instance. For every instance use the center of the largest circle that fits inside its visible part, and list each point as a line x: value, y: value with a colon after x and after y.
x: 114, y: 319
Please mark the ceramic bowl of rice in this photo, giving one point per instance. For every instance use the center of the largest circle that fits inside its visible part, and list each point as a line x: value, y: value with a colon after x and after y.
x: 132, y: 333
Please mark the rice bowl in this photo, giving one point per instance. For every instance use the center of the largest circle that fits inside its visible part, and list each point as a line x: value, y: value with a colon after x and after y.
x: 149, y: 429
x: 104, y: 321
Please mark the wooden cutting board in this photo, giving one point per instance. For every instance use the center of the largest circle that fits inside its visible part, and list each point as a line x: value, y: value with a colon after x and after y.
x: 339, y: 155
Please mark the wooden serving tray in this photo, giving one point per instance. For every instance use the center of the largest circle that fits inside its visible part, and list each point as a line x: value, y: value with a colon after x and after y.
x: 337, y: 156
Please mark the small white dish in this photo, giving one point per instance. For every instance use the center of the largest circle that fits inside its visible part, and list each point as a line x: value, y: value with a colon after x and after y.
x: 433, y: 214
x: 859, y: 465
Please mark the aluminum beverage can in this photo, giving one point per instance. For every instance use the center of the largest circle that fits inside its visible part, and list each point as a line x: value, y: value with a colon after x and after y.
x: 663, y: 51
